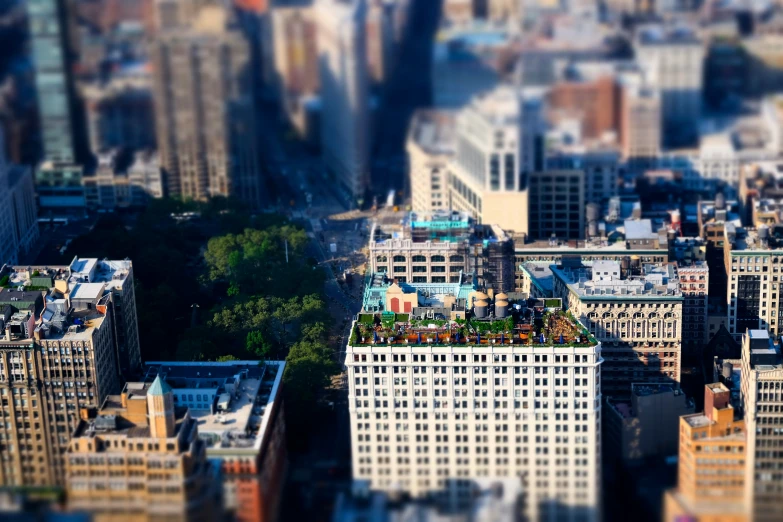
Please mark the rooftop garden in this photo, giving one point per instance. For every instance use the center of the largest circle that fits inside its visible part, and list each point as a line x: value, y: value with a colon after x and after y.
x: 548, y: 329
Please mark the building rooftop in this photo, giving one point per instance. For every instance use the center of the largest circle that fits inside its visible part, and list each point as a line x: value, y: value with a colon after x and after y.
x: 433, y: 131
x: 540, y: 275
x: 443, y: 226
x: 764, y: 238
x: 236, y: 402
x: 606, y: 280
x: 522, y: 327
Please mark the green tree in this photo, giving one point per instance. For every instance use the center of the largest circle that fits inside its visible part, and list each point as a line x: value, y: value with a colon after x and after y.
x: 226, y: 358
x: 257, y: 345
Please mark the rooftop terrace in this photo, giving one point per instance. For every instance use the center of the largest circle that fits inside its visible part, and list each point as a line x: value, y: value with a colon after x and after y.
x: 537, y: 327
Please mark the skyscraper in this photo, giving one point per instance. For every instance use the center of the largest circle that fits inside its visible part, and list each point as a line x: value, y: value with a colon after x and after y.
x: 345, y: 122
x: 674, y: 63
x: 50, y: 34
x: 205, y: 114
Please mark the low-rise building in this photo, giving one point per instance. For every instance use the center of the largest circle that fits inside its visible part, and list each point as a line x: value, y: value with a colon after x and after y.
x: 141, y: 458
x: 120, y: 181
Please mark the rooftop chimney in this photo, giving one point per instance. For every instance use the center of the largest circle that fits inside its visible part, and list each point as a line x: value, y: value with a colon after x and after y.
x: 716, y: 397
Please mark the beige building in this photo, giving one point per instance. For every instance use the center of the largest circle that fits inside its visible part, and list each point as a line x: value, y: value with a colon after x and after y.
x: 205, y: 115
x: 114, y: 186
x: 640, y: 123
x: 711, y: 464
x: 63, y: 350
x: 430, y: 147
x: 762, y: 401
x: 752, y: 258
x: 634, y: 311
x: 239, y: 410
x: 495, y: 153
x: 141, y: 459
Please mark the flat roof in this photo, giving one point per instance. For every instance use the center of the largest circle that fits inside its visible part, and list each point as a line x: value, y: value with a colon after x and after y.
x: 87, y: 290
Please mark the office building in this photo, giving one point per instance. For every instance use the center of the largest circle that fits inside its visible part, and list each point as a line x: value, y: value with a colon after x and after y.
x: 694, y: 283
x: 443, y: 247
x: 238, y: 407
x: 430, y: 147
x: 762, y: 400
x: 205, y: 115
x: 52, y: 49
x: 634, y: 310
x: 141, y: 458
x: 65, y: 329
x: 751, y: 260
x: 444, y: 414
x: 601, y: 166
x: 711, y: 463
x: 640, y: 124
x: 557, y: 204
x: 646, y: 425
x: 295, y: 45
x: 120, y: 114
x: 498, y: 145
x: 345, y: 103
x: 673, y: 61
x: 18, y: 217
x: 381, y: 47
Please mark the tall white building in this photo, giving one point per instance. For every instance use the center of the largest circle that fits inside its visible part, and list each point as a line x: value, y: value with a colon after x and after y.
x: 673, y: 61
x: 495, y: 153
x: 345, y: 123
x: 448, y: 420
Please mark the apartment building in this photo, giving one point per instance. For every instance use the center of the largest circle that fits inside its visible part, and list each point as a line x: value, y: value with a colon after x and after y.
x: 430, y: 146
x: 694, y: 283
x: 760, y: 192
x: 239, y: 411
x: 443, y: 247
x: 141, y: 458
x: 752, y: 259
x: 711, y: 464
x: 69, y: 334
x: 635, y: 312
x: 440, y: 414
x: 762, y: 401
